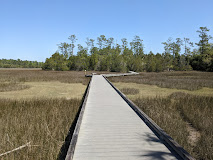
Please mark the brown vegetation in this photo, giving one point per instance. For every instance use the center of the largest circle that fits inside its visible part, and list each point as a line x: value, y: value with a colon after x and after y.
x: 45, y: 122
x: 39, y: 75
x: 198, y: 111
x: 185, y: 117
x: 146, y: 90
x: 180, y: 80
x: 12, y: 86
x: 42, y: 122
x: 52, y: 89
x: 175, y: 113
x: 130, y: 91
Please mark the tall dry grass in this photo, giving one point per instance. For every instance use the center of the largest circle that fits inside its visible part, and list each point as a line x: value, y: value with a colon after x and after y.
x: 13, y: 80
x: 180, y: 80
x: 129, y: 91
x: 176, y: 112
x: 180, y: 112
x: 198, y: 111
x: 12, y: 86
x: 164, y: 113
x: 42, y: 122
x: 39, y: 75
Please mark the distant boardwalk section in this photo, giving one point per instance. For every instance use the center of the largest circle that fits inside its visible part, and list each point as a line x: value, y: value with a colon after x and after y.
x: 131, y: 73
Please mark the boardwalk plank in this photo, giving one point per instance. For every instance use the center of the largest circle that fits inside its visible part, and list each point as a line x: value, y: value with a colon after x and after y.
x: 111, y: 130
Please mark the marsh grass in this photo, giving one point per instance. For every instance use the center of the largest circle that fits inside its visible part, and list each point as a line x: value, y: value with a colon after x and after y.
x: 12, y: 86
x: 178, y: 101
x: 175, y: 112
x: 130, y: 91
x: 146, y: 90
x: 46, y: 89
x: 198, y: 111
x: 164, y: 113
x: 39, y: 76
x: 29, y: 83
x: 42, y: 122
x: 45, y: 122
x: 179, y: 80
x: 43, y: 119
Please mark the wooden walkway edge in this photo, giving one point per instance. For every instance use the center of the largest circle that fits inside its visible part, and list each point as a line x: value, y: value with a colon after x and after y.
x: 73, y: 142
x: 155, y: 128
x: 168, y: 141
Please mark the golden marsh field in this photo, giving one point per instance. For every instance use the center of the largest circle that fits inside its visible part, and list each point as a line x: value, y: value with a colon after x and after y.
x: 179, y: 102
x: 38, y: 107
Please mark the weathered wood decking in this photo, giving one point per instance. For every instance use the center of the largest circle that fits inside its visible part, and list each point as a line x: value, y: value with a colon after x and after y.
x: 131, y: 73
x: 111, y: 130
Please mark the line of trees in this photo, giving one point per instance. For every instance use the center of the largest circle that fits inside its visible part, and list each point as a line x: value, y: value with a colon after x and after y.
x: 106, y: 55
x: 11, y: 63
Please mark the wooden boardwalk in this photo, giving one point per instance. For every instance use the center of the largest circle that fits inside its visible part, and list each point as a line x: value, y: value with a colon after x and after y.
x: 111, y: 130
x: 120, y: 74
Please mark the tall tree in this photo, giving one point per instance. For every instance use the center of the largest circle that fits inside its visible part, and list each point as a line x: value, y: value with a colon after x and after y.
x: 64, y: 47
x: 137, y: 46
x: 116, y: 61
x: 124, y: 43
x: 187, y: 45
x: 101, y: 41
x: 187, y: 53
x: 204, y: 42
x: 56, y: 62
x: 150, y: 64
x: 93, y: 61
x: 204, y: 60
x: 173, y: 47
x: 83, y: 61
x: 73, y: 39
x: 110, y: 41
x: 90, y: 44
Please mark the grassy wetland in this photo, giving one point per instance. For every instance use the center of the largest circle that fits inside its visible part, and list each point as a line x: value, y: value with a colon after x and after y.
x: 179, y: 102
x: 37, y: 109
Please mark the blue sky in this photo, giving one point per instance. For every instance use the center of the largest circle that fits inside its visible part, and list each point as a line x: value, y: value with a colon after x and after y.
x: 31, y: 29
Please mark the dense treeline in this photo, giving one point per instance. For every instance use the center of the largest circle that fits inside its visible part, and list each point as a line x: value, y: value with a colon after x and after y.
x: 108, y: 56
x: 10, y: 63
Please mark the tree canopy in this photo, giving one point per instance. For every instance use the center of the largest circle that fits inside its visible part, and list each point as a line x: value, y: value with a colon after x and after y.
x: 106, y: 55
x: 11, y: 63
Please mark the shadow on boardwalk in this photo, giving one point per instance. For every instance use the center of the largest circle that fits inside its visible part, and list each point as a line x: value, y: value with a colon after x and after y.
x: 158, y: 155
